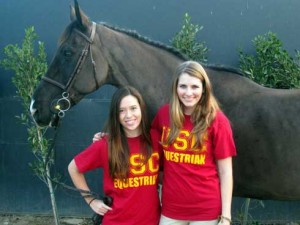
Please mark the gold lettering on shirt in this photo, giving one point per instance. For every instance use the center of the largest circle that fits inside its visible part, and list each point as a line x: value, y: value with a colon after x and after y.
x: 134, y: 182
x: 197, y: 159
x: 184, y: 141
x: 137, y: 168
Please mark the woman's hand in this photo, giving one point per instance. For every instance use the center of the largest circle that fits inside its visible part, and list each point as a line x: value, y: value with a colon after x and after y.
x: 98, y: 136
x: 99, y: 207
x: 223, y: 220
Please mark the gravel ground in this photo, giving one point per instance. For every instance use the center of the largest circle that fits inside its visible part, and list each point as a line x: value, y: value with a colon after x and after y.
x: 41, y: 220
x: 48, y: 220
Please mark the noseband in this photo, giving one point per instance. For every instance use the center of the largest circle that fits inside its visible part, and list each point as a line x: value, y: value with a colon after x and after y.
x: 66, y: 87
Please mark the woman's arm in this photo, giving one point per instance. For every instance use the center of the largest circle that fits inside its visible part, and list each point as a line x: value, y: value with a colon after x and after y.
x: 226, y: 182
x: 80, y: 182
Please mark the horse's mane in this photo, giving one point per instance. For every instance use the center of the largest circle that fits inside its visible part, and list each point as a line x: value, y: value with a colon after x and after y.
x: 135, y: 34
x: 171, y: 49
x: 176, y: 52
x: 220, y: 67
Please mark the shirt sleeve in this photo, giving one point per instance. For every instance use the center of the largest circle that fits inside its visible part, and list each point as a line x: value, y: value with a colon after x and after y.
x: 157, y: 147
x: 223, y: 142
x: 157, y: 121
x: 92, y: 157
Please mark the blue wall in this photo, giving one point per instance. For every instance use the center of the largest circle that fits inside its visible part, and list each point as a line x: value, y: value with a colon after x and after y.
x: 228, y: 25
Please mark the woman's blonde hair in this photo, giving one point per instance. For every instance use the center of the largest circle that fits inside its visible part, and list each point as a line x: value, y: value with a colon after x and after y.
x: 204, y: 112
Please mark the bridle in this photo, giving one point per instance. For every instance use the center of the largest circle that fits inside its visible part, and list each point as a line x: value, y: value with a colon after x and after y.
x: 64, y: 100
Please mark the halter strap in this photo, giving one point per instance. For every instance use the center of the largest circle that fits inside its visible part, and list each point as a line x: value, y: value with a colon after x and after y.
x: 88, y: 39
x: 79, y: 62
x: 78, y: 67
x: 93, y: 31
x: 55, y: 83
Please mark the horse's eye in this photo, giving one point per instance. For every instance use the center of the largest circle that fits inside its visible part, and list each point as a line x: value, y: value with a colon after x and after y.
x: 67, y: 53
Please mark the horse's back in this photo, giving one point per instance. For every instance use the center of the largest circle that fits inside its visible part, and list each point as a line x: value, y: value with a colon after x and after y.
x: 265, y: 124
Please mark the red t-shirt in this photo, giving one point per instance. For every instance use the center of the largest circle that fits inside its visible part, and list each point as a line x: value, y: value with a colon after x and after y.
x: 191, y: 187
x: 135, y: 201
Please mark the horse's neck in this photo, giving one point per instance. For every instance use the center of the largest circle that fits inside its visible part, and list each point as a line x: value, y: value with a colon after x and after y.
x: 135, y: 62
x: 142, y: 65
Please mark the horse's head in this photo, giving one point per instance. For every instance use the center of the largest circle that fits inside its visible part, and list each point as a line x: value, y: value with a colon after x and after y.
x: 72, y: 72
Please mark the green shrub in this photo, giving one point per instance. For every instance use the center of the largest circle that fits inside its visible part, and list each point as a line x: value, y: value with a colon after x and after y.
x: 28, y: 68
x: 185, y: 41
x: 272, y: 66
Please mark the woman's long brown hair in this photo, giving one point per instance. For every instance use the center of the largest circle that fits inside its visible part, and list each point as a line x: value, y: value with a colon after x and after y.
x: 118, y: 149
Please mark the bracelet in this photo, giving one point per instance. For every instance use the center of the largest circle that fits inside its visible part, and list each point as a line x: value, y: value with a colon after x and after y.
x: 222, y: 218
x: 91, y: 201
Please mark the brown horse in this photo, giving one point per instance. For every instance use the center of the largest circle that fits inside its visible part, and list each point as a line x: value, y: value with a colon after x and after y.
x: 264, y: 121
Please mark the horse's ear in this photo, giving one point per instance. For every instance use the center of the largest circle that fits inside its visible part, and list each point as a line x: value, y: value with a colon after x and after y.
x: 72, y: 13
x: 76, y: 14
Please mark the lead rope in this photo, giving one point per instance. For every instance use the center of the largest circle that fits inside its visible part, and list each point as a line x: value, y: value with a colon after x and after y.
x: 51, y: 151
x: 96, y: 218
